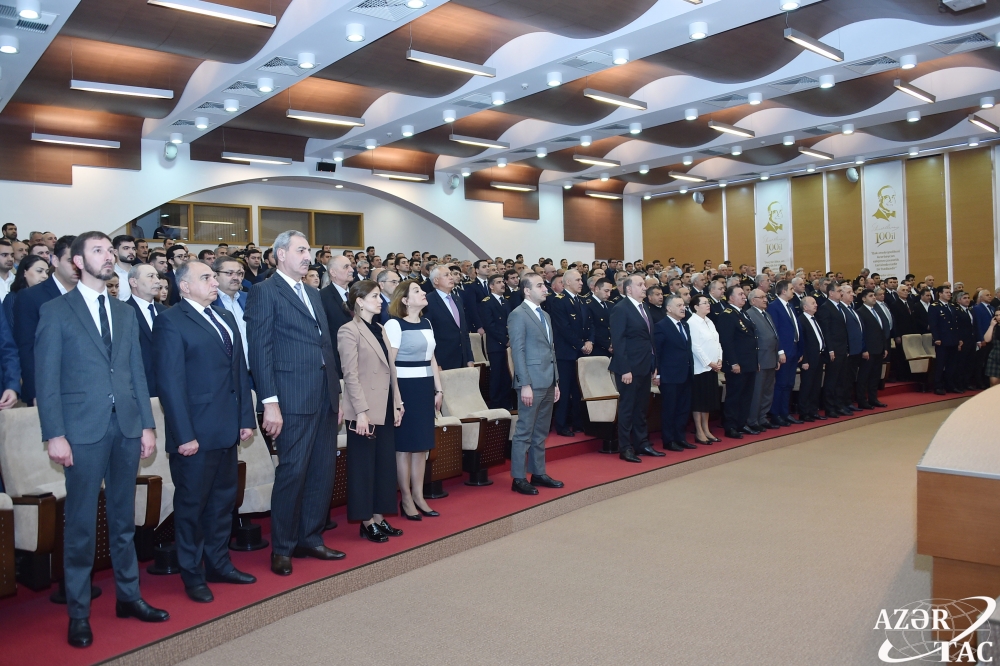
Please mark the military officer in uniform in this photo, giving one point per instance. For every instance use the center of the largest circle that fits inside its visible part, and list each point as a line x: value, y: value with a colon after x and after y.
x: 943, y: 322
x: 738, y: 338
x: 716, y: 297
x: 573, y: 337
x: 600, y: 316
x: 493, y: 311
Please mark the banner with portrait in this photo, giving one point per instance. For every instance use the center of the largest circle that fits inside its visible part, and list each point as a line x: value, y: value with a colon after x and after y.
x: 884, y: 214
x: 773, y: 224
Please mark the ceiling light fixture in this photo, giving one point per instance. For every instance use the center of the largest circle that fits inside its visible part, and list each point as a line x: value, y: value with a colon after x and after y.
x: 502, y: 162
x: 688, y: 177
x: 355, y: 32
x: 983, y: 123
x: 973, y: 141
x: 482, y: 143
x: 338, y: 156
x: 818, y: 154
x: 498, y: 98
x: 585, y: 140
x: 450, y: 63
x: 647, y: 197
x: 859, y: 160
x: 115, y: 89
x: 329, y: 119
x: 265, y: 84
x: 617, y: 100
x: 788, y: 140
x: 722, y: 184
x: 788, y: 5
x: 914, y: 91
x: 912, y: 116
x: 907, y: 61
x: 256, y: 159
x: 765, y: 176
x: 634, y: 128
x: 9, y: 44
x: 597, y: 194
x: 218, y: 11
x: 400, y: 175
x: 847, y: 128
x: 736, y: 151
x: 643, y: 169
x: 698, y: 30
x: 176, y: 137
x: 466, y: 172
x: 695, y: 2
x: 541, y: 151
x: 914, y: 151
x: 513, y: 187
x: 687, y: 160
x: 231, y: 105
x: 449, y: 115
x: 568, y: 185
x: 74, y: 141
x: 814, y: 45
x: 416, y: 4
x: 29, y: 9
x: 619, y: 56
x: 683, y: 190
x: 827, y: 81
x: 605, y: 177
x: 987, y: 103
x: 371, y: 144
x: 596, y: 161
x: 554, y: 79
x: 407, y: 131
x: 691, y: 114
x: 339, y: 187
x: 811, y: 168
x: 731, y: 129
x: 201, y: 122
x: 755, y: 98
x: 307, y: 60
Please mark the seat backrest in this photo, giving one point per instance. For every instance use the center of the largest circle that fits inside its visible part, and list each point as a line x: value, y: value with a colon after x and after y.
x: 157, y: 464
x: 477, y: 348
x: 596, y: 382
x: 510, y: 362
x: 24, y: 458
x: 913, y: 346
x: 260, y: 467
x: 928, y: 342
x: 461, y: 392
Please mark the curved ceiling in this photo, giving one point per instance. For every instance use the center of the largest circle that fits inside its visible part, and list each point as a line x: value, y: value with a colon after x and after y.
x: 579, y: 19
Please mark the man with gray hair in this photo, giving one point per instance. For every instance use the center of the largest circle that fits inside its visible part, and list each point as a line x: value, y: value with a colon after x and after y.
x: 768, y: 354
x: 387, y: 280
x: 334, y: 297
x: 446, y: 312
x: 144, y: 282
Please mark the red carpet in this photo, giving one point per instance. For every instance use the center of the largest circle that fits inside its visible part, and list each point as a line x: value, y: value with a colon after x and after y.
x: 33, y: 630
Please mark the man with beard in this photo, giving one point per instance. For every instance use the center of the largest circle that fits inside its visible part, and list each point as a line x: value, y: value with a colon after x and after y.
x: 95, y: 413
x: 125, y: 257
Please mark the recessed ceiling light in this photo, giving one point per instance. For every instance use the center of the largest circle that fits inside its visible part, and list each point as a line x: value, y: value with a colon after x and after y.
x: 683, y: 190
x: 634, y: 128
x: 449, y: 115
x: 450, y: 63
x: 813, y: 152
x: 355, y: 32
x: 371, y: 144
x: 339, y: 187
x: 605, y: 176
x: 914, y: 151
x: 596, y: 161
x: 755, y: 98
x: 9, y: 44
x: 827, y: 81
x: 338, y: 156
x: 307, y: 60
x: 585, y: 140
x: 176, y: 137
x: 644, y: 169
x: 265, y: 84
x: 513, y: 187
x: 788, y: 140
x: 201, y: 122
x: 466, y: 172
x: 501, y: 162
x: 859, y: 160
x: 498, y: 98
x: 218, y: 11
x: 400, y: 175
x: 74, y: 141
x: 646, y: 197
x: 722, y: 184
x: 847, y: 128
x: 691, y: 114
x: 327, y: 118
x: 698, y: 30
x: 568, y: 185
x: 416, y: 4
x: 912, y: 116
x: 765, y: 176
x: 407, y: 131
x: 603, y: 195
x: 231, y: 105
x: 482, y: 143
x: 914, y: 91
x: 730, y: 129
x: 611, y: 98
x: 736, y: 151
x: 554, y: 79
x: 811, y: 168
x: 115, y: 89
x: 788, y: 5
x: 987, y: 102
x: 814, y: 45
x: 983, y: 123
x: 689, y: 177
x: 907, y: 61
x: 973, y: 141
x: 258, y: 159
x: 687, y: 161
x: 541, y: 151
x: 29, y: 9
x: 619, y: 56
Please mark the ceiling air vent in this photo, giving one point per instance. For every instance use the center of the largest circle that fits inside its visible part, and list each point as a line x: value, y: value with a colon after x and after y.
x: 214, y: 107
x: 825, y: 129
x: 387, y: 10
x: 727, y: 101
x: 873, y: 65
x: 612, y: 128
x: 566, y: 139
x: 522, y: 151
x: 483, y: 162
x: 591, y: 61
x: 476, y: 101
x: 349, y: 147
x: 963, y: 43
x: 183, y: 123
x: 245, y: 88
x: 9, y: 17
x: 797, y: 84
x: 713, y: 152
x: 279, y: 65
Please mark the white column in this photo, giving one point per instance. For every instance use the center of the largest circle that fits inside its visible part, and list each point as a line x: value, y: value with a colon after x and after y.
x: 826, y: 225
x: 947, y: 215
x: 725, y: 228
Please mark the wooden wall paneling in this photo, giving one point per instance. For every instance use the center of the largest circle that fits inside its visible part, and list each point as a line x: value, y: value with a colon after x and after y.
x: 394, y: 159
x: 209, y: 147
x: 955, y: 515
x: 519, y: 205
x: 955, y: 579
x: 843, y: 200
x: 598, y: 221
x: 678, y: 227
x: 808, y: 236
x: 926, y: 232
x: 972, y: 217
x: 740, y: 223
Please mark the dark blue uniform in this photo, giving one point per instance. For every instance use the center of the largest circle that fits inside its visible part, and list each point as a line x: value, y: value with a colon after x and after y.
x: 493, y: 317
x: 600, y: 325
x: 943, y: 323
x: 571, y: 325
x: 968, y: 333
x: 738, y: 338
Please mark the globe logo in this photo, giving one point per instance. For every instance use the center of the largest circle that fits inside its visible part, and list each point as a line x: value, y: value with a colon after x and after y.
x: 939, y: 630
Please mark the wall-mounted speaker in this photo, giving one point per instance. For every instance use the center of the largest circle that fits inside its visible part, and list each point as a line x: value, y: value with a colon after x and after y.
x: 698, y: 198
x: 852, y: 175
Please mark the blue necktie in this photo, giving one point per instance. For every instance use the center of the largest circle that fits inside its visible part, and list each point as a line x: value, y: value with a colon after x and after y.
x: 226, y: 340
x: 544, y: 325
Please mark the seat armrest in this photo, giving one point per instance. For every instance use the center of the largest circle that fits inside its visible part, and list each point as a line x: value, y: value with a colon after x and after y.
x: 241, y: 483
x: 154, y: 493
x: 597, y: 398
x: 473, y: 419
x: 46, y: 503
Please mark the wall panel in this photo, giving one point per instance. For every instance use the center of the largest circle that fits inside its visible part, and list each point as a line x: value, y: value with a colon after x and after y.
x: 971, y: 182
x: 808, y: 239
x: 844, y: 211
x: 592, y: 220
x: 678, y: 227
x: 740, y: 218
x: 926, y: 233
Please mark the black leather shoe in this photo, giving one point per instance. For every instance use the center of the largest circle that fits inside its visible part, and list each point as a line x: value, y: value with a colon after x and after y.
x: 770, y: 425
x: 430, y: 514
x: 863, y: 406
x: 818, y: 416
x: 373, y: 533
x: 855, y: 409
x: 673, y: 446
x: 833, y: 414
x: 200, y: 593
x: 522, y: 486
x: 80, y: 634
x: 565, y: 432
x: 712, y: 439
x: 879, y: 404
x: 281, y: 564
x: 403, y: 513
x: 733, y: 434
x: 236, y: 577
x: 750, y: 430
x: 807, y: 419
x: 330, y: 525
x: 648, y: 450
x: 388, y: 530
x: 319, y: 552
x: 140, y: 610
x: 791, y: 420
x: 847, y: 412
x: 686, y: 444
x: 545, y: 480
x: 938, y: 391
x: 628, y: 454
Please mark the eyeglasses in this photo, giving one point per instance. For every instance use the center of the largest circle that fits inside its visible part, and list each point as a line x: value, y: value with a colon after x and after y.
x: 232, y: 273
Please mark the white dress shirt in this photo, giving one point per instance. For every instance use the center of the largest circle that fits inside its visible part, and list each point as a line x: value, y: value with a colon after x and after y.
x: 90, y: 299
x: 705, y: 346
x: 124, y: 288
x: 233, y: 305
x: 144, y: 308
x: 59, y: 285
x: 815, y: 327
x: 200, y: 309
x: 5, y: 285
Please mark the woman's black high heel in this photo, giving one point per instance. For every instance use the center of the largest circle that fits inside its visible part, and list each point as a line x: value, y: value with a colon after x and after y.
x: 408, y: 516
x: 430, y: 514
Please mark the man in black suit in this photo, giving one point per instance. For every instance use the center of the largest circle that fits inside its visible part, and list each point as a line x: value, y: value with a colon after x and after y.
x: 98, y: 424
x: 571, y: 326
x: 514, y: 294
x: 715, y: 296
x: 833, y: 322
x: 28, y: 305
x: 493, y: 311
x: 294, y: 368
x: 738, y: 338
x: 446, y: 313
x: 632, y: 363
x: 921, y: 310
x: 387, y: 281
x: 811, y: 368
x: 334, y: 297
x: 145, y: 284
x: 177, y: 255
x: 655, y: 304
x: 875, y: 330
x: 475, y: 293
x: 600, y: 316
x: 204, y: 389
x: 676, y: 369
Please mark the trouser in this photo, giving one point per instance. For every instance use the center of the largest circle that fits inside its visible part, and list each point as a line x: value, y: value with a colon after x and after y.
x: 114, y: 459
x: 736, y: 409
x: 809, y: 388
x: 530, y: 432
x: 831, y: 382
x: 763, y: 396
x: 945, y: 366
x: 675, y: 411
x: 966, y: 365
x: 784, y: 382
x: 568, y: 410
x: 633, y: 403
x: 371, y: 470
x: 303, y: 479
x: 848, y: 378
x: 204, y: 498
x: 499, y: 381
x: 869, y: 376
x: 979, y: 378
x: 900, y: 368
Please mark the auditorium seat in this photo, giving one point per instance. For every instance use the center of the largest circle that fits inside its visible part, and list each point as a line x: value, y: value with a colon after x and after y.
x: 154, y: 495
x: 485, y: 432
x: 444, y: 461
x: 600, y: 396
x: 8, y: 586
x: 481, y: 362
x: 920, y: 361
x: 515, y: 399
x: 257, y: 485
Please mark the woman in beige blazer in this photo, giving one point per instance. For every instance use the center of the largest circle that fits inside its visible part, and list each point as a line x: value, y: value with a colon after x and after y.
x: 372, y: 407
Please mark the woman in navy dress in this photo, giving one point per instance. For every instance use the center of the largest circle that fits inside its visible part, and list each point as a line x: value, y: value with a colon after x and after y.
x: 411, y: 350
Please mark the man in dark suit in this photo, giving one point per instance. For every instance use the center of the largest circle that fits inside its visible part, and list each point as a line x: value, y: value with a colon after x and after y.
x: 446, y: 313
x: 145, y: 284
x: 204, y: 388
x: 600, y: 316
x: 294, y: 368
x: 571, y: 324
x: 98, y: 423
x: 786, y: 321
x: 876, y: 349
x: 833, y: 322
x: 983, y: 313
x: 716, y: 292
x: 28, y: 305
x: 675, y: 365
x: 943, y: 324
x: 632, y: 363
x: 176, y: 256
x: 813, y: 347
x: 921, y: 308
x: 387, y: 281
x: 514, y: 294
x: 334, y: 297
x: 855, y: 346
x: 493, y: 312
x: 474, y: 294
x: 738, y: 338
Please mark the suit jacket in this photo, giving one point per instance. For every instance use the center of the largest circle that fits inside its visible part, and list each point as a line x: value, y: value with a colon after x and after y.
x: 982, y: 312
x: 943, y: 323
x: 368, y: 375
x: 967, y: 331
x: 27, y: 310
x: 10, y: 364
x: 454, y: 349
x: 384, y: 315
x: 903, y: 322
x: 921, y: 317
x: 767, y: 339
x: 205, y: 392
x: 600, y: 326
x: 337, y: 315
x: 571, y: 320
x: 241, y: 298
x: 675, y: 361
x: 834, y: 328
x: 786, y: 329
x: 812, y: 346
x: 532, y: 348
x: 472, y: 296
x: 632, y: 340
x: 78, y: 384
x: 855, y: 332
x: 873, y: 331
x: 738, y: 338
x: 174, y: 295
x: 146, y: 343
x: 493, y: 317
x: 288, y: 348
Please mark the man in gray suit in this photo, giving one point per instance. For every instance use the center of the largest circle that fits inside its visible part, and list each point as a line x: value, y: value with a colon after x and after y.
x: 294, y: 369
x: 767, y: 360
x: 93, y: 404
x: 536, y: 376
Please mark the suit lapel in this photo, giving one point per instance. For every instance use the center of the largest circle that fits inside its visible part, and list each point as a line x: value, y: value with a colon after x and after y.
x: 143, y: 326
x: 117, y: 324
x: 197, y: 318
x: 80, y: 308
x: 289, y: 293
x: 534, y: 317
x: 317, y: 303
x: 370, y: 338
